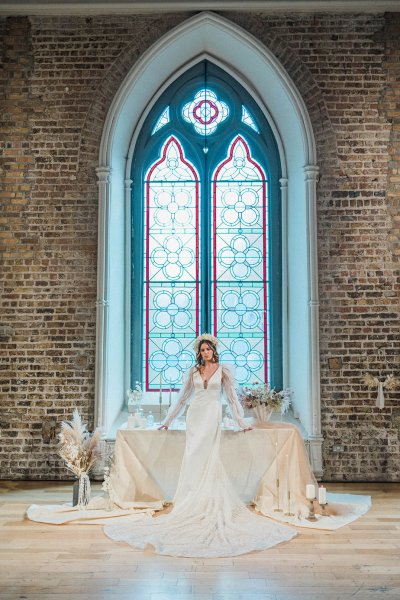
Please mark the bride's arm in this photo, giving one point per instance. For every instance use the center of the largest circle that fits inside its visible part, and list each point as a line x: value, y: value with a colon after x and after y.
x: 228, y: 383
x: 177, y: 407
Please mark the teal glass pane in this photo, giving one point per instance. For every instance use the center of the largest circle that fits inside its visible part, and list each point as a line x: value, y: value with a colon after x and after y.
x: 248, y: 119
x: 161, y: 121
x: 240, y: 315
x: 171, y: 306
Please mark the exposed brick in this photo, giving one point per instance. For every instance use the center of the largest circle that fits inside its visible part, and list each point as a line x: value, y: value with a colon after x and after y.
x: 58, y: 77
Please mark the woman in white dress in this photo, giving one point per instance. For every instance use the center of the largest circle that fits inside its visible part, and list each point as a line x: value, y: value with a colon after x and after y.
x: 208, y: 519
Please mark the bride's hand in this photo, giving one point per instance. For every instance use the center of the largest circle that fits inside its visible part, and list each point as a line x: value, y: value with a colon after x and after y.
x: 162, y: 427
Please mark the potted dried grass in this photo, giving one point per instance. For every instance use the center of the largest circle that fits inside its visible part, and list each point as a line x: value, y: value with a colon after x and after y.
x: 80, y: 450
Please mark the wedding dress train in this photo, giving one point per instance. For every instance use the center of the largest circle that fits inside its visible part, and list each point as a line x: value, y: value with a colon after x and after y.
x: 208, y: 519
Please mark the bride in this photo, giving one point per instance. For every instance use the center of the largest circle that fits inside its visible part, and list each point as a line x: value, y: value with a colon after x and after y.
x: 208, y: 519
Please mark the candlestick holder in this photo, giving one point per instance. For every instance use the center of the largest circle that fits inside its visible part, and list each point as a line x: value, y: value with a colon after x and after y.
x: 289, y: 513
x: 160, y: 404
x: 277, y: 509
x: 323, y: 510
x: 311, y: 511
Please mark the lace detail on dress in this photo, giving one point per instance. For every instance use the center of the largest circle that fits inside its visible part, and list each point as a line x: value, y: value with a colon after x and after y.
x: 208, y: 519
x: 178, y: 406
x: 228, y: 384
x: 213, y: 529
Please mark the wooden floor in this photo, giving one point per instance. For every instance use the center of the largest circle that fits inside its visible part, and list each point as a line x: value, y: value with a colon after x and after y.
x: 77, y: 562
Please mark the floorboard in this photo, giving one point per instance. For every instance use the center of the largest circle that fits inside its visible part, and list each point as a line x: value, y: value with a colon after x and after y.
x: 47, y: 562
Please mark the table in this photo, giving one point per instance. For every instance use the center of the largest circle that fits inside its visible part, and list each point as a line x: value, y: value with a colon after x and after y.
x: 147, y: 464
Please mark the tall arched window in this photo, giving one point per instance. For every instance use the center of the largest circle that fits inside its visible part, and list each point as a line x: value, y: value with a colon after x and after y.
x: 206, y: 232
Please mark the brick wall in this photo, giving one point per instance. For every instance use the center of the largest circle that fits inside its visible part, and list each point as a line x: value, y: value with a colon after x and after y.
x: 59, y: 76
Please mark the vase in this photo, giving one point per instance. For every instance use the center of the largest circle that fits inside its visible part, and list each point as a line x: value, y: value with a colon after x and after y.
x: 262, y: 412
x: 75, y: 492
x: 83, y: 491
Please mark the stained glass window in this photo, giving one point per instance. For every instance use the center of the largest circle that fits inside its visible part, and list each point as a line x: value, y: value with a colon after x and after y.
x: 205, y: 112
x: 248, y: 119
x: 239, y: 271
x: 171, y: 265
x: 206, y: 245
x: 162, y: 120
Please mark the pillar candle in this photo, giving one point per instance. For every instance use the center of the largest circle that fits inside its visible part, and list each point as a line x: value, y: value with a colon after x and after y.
x: 322, y: 495
x: 310, y: 491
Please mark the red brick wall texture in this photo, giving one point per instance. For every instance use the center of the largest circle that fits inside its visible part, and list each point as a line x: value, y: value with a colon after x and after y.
x: 57, y: 79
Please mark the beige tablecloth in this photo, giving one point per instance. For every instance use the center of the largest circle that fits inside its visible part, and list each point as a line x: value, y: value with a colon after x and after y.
x: 147, y: 464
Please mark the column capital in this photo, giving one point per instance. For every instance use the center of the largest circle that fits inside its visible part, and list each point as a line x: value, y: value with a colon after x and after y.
x: 102, y: 302
x: 313, y: 303
x: 103, y: 174
x: 311, y: 172
x: 283, y: 182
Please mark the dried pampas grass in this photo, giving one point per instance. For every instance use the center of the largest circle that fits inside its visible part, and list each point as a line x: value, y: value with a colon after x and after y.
x: 79, y: 448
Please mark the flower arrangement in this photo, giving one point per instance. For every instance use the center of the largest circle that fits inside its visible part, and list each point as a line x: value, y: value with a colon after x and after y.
x: 204, y: 337
x: 390, y: 383
x: 80, y: 450
x: 135, y: 396
x: 77, y: 446
x: 264, y: 395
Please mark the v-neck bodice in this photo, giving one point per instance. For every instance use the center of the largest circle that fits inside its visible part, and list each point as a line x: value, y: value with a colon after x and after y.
x: 213, y: 383
x: 207, y: 381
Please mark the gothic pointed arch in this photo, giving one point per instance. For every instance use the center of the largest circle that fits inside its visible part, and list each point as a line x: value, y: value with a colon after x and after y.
x: 210, y: 37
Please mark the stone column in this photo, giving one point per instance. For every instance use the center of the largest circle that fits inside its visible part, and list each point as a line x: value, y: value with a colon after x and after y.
x: 102, y: 302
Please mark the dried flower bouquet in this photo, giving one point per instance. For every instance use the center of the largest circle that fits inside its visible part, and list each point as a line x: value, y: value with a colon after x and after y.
x: 80, y: 450
x: 264, y: 400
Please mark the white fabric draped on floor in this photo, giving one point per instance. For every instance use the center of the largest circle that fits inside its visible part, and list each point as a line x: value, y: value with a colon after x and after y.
x: 147, y: 465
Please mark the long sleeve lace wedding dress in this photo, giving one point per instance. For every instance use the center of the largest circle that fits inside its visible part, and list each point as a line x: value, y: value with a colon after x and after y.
x: 208, y: 519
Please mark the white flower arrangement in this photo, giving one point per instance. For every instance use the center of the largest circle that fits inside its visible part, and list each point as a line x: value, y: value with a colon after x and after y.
x: 78, y: 447
x: 135, y: 396
x: 264, y: 395
x: 204, y: 337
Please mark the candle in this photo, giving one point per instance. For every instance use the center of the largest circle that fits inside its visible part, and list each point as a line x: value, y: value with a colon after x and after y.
x: 310, y: 491
x: 322, y: 495
x: 276, y: 460
x: 170, y: 394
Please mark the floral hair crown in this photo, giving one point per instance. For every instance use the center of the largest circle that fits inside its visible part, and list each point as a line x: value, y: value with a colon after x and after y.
x: 204, y: 337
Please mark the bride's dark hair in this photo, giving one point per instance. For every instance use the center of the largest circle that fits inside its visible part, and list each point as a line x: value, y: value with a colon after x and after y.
x: 199, y: 360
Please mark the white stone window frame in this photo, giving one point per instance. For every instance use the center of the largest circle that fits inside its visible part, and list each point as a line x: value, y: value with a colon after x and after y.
x: 212, y: 37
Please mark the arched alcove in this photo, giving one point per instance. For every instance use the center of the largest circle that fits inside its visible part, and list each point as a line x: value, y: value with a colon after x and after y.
x: 209, y: 36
